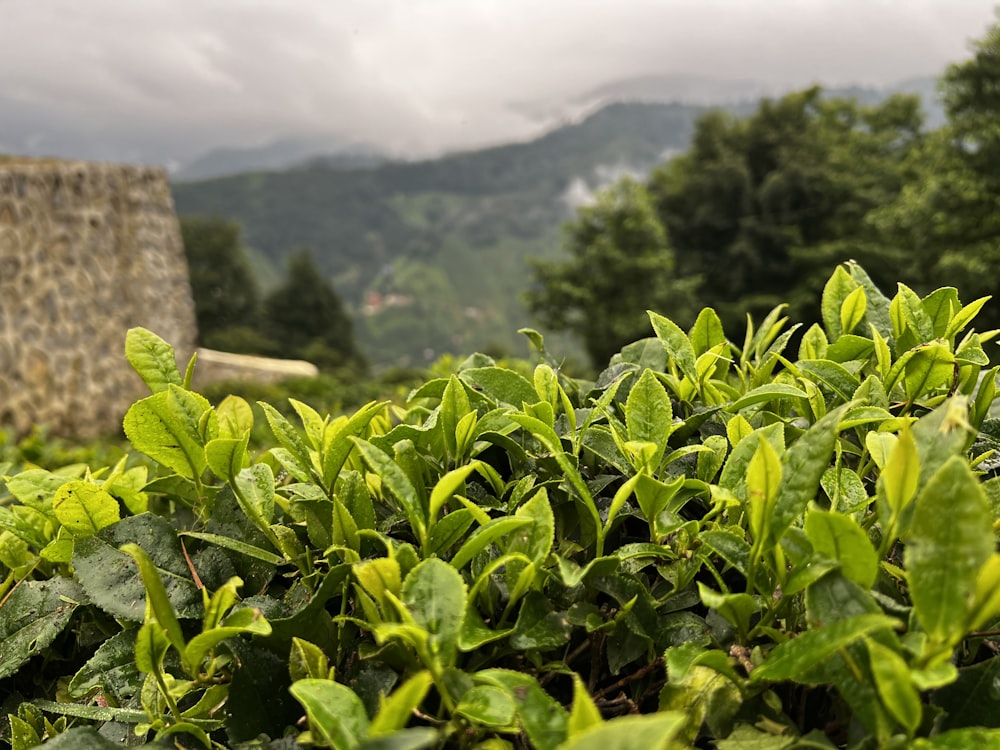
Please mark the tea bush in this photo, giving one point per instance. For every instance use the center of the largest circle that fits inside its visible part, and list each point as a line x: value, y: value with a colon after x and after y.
x: 711, y: 545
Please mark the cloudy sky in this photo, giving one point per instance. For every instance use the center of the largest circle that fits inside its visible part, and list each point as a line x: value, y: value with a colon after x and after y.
x: 164, y: 80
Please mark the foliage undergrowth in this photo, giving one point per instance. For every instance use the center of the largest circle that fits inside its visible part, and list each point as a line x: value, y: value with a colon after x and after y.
x: 711, y: 545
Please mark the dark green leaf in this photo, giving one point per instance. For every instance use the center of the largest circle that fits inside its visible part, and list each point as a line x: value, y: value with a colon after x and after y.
x: 32, y: 616
x: 539, y: 626
x: 111, y: 577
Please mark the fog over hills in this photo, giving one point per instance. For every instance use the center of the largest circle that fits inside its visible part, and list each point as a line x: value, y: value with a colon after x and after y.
x: 169, y: 82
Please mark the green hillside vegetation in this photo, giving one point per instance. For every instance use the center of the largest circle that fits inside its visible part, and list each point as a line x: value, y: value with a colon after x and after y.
x: 433, y: 256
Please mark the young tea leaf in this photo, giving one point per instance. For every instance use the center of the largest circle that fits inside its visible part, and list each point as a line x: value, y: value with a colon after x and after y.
x: 335, y: 712
x: 84, y: 508
x: 152, y: 358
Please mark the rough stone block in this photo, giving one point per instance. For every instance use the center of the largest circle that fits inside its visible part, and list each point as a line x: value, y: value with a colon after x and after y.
x: 87, y: 251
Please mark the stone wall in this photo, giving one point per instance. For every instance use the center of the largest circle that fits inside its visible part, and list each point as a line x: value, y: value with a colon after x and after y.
x: 86, y: 252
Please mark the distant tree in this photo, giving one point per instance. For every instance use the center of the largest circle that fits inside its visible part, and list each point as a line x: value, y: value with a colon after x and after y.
x: 949, y: 213
x: 620, y: 265
x: 306, y: 319
x: 761, y: 208
x: 226, y: 296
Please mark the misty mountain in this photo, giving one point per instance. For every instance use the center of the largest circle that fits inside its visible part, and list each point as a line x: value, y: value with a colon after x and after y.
x: 283, y: 153
x: 432, y: 256
x: 708, y: 91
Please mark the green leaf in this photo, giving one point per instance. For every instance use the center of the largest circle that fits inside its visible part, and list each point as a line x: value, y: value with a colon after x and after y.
x: 336, y: 714
x: 794, y: 659
x: 901, y: 473
x: 834, y: 378
x: 501, y: 385
x: 734, y: 472
x: 434, y: 593
x: 235, y: 417
x: 802, y: 467
x: 961, y: 739
x: 337, y: 446
x: 895, y: 687
x: 112, y: 668
x: 730, y: 546
x: 534, y: 540
x: 539, y: 625
x: 246, y: 621
x: 454, y: 406
x: 112, y: 579
x: 33, y: 615
x: 964, y: 316
x: 395, y: 480
x: 36, y: 487
x: 306, y: 660
x: 227, y: 457
x: 814, y: 343
x: 255, y: 494
x: 837, y: 289
x: 707, y: 331
x: 852, y: 311
x: 840, y: 538
x: 658, y: 731
x: 765, y: 394
x: 165, y: 426
x: 648, y: 414
x: 737, y: 609
x: 908, y: 315
x: 81, y: 738
x: 379, y: 576
x: 152, y: 358
x: 487, y: 705
x: 880, y: 446
x: 949, y: 540
x: 745, y: 737
x: 236, y: 545
x: 585, y: 713
x: 543, y: 718
x: 972, y: 699
x: 449, y: 530
x: 448, y: 486
x: 84, y: 508
x: 151, y: 646
x: 763, y: 481
x: 878, y: 304
x: 677, y: 344
x: 941, y: 306
x: 288, y: 437
x: 484, y: 536
x: 931, y: 367
x: 849, y: 347
x: 395, y: 712
x: 156, y: 595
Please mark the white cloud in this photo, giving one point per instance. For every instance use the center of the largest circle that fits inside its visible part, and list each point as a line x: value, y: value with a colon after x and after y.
x: 424, y: 74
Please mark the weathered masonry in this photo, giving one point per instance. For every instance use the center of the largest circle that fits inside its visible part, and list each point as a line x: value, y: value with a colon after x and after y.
x: 86, y: 252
